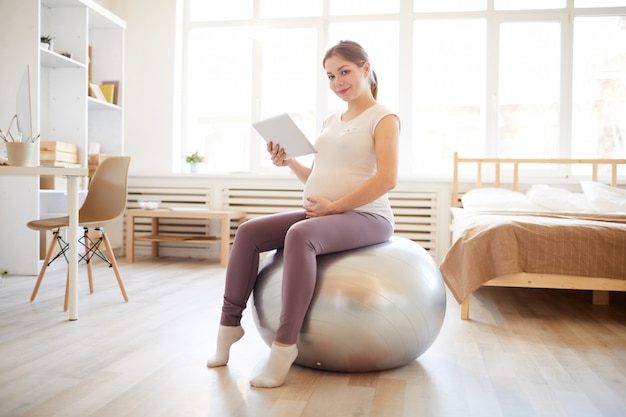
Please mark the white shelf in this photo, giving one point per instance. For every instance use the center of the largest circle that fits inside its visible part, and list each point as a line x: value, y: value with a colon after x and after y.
x: 99, y: 18
x: 95, y: 104
x: 61, y: 3
x: 50, y: 59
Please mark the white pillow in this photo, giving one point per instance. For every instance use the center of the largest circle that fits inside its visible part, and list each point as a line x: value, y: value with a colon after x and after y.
x: 604, y: 198
x: 489, y: 198
x: 558, y: 199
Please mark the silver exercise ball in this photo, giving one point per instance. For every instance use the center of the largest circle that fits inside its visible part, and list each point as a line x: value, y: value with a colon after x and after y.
x: 374, y: 308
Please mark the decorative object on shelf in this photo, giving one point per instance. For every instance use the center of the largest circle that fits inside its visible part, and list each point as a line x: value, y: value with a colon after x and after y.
x: 93, y: 162
x: 109, y: 92
x: 23, y: 115
x: 56, y: 152
x: 149, y: 204
x: 21, y: 146
x: 20, y: 154
x: 66, y: 54
x: 94, y: 147
x: 89, y: 63
x: 116, y: 89
x: 8, y: 136
x: 194, y: 159
x: 96, y: 92
x: 46, y: 42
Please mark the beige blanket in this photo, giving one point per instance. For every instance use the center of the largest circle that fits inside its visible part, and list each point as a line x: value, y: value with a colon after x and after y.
x: 502, y: 243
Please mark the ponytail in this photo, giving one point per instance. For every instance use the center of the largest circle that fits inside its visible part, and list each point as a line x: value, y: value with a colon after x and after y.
x: 373, y: 84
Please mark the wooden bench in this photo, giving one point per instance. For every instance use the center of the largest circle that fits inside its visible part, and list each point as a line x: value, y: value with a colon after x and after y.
x: 224, y: 216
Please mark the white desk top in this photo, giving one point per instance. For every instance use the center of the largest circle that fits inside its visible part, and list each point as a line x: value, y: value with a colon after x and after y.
x: 42, y: 170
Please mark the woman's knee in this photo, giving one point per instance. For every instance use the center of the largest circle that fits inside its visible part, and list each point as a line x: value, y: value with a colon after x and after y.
x: 297, y: 233
x: 249, y: 228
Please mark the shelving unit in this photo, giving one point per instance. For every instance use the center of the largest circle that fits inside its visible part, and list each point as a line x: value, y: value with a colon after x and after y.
x: 60, y: 104
x: 95, y: 39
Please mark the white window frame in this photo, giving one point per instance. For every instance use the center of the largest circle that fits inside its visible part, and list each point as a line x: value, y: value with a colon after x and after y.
x: 406, y: 18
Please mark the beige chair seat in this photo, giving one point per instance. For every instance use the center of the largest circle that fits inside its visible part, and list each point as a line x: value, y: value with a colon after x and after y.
x: 63, y: 221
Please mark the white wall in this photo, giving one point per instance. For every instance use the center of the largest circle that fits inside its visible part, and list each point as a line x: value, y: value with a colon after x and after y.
x: 149, y: 82
x: 18, y: 195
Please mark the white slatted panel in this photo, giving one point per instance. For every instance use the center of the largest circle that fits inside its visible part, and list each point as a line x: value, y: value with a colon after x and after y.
x: 258, y: 202
x: 420, y: 210
x: 416, y: 217
x: 415, y: 212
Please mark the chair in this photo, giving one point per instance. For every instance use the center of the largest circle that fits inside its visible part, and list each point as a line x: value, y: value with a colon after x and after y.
x: 105, y: 202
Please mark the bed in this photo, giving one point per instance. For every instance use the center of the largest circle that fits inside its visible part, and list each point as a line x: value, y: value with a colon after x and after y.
x: 543, y: 237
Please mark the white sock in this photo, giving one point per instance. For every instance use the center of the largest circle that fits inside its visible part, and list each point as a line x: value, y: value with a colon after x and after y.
x: 277, y: 367
x: 226, y: 336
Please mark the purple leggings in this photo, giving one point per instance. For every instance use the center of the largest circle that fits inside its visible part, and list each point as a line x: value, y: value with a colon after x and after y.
x: 301, y: 240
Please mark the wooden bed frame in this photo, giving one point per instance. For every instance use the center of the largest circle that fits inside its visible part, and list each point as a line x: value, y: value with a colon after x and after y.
x: 599, y: 286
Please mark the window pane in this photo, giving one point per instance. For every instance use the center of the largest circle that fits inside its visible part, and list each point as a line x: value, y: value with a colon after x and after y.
x: 219, y: 74
x: 206, y: 10
x: 449, y: 5
x: 290, y: 8
x: 448, y: 92
x: 528, y: 113
x: 599, y: 91
x: 290, y: 69
x: 529, y: 4
x: 362, y: 7
x: 599, y: 3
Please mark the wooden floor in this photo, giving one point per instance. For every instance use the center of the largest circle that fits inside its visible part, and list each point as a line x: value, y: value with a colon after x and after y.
x: 525, y: 353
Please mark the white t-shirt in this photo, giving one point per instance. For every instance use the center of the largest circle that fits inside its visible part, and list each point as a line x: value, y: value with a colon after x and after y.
x: 346, y: 158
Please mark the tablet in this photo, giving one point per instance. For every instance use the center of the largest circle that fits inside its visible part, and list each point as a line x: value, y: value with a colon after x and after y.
x: 283, y: 131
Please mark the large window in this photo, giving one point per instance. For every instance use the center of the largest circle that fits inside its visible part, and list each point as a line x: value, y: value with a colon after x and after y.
x: 599, y: 87
x: 507, y: 78
x: 529, y: 86
x: 449, y: 63
x: 219, y: 96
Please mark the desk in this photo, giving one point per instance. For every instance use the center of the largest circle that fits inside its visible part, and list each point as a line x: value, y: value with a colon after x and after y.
x: 73, y: 175
x: 225, y: 216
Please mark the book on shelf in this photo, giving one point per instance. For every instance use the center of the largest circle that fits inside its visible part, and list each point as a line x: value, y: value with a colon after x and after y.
x: 115, y: 85
x: 96, y: 92
x: 108, y: 90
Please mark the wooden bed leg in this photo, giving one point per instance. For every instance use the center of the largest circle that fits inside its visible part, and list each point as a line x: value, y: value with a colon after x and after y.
x: 600, y: 298
x: 465, y: 305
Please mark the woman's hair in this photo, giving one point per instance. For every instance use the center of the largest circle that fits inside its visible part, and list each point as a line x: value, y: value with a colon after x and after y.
x: 353, y: 52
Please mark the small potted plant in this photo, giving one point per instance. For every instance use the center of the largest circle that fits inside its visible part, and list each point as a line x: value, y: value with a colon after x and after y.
x: 46, y: 42
x: 194, y: 159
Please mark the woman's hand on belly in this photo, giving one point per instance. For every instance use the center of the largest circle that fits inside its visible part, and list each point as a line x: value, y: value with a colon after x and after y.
x: 319, y: 206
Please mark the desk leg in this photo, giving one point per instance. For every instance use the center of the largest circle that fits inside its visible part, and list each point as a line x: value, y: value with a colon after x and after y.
x: 72, y: 238
x: 130, y: 238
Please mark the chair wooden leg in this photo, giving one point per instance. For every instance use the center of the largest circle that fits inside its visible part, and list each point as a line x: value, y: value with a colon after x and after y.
x: 465, y: 308
x: 88, y: 256
x: 67, y: 290
x: 43, y: 268
x: 107, y: 244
